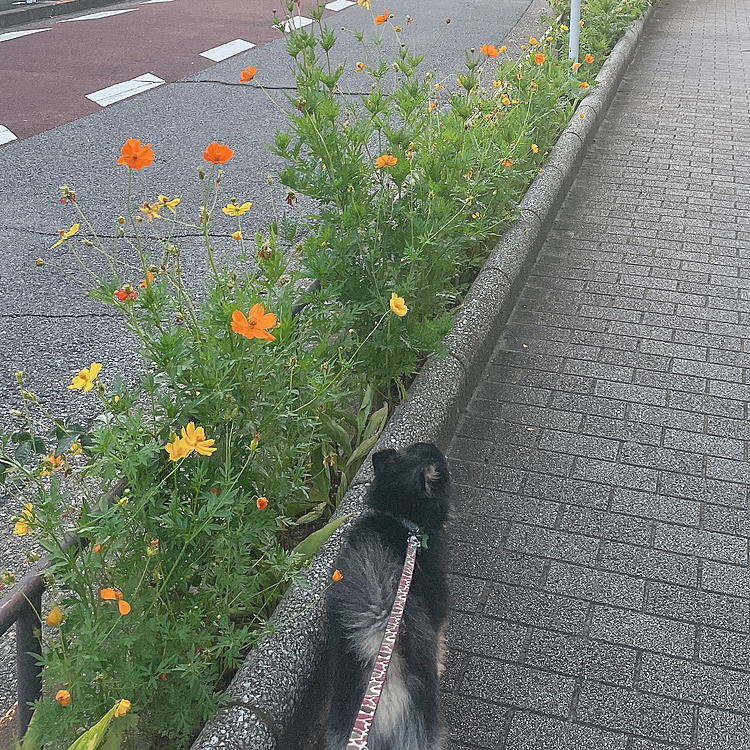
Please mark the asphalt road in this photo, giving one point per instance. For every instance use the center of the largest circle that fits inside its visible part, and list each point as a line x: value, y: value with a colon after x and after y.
x: 48, y: 328
x: 47, y: 70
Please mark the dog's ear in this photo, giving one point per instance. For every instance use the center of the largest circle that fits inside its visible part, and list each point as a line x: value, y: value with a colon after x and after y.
x: 383, y: 459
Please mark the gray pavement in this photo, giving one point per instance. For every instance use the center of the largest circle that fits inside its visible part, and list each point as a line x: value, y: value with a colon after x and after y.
x: 600, y: 569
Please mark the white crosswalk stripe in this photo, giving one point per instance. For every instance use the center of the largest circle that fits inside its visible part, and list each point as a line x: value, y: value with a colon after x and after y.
x: 120, y: 91
x: 6, y: 136
x: 223, y: 51
x: 95, y: 16
x: 296, y: 22
x: 339, y: 4
x: 15, y: 34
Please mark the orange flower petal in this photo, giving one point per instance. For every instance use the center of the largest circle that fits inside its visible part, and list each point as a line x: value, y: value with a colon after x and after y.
x: 123, y: 606
x: 216, y: 153
x: 108, y: 594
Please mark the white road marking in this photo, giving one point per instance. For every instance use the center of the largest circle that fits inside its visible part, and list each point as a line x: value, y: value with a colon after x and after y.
x: 6, y: 136
x: 296, y: 22
x: 15, y: 34
x: 223, y: 51
x: 119, y: 91
x: 339, y: 4
x: 94, y: 16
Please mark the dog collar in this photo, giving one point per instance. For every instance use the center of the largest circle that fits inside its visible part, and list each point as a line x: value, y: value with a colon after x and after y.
x: 411, y: 527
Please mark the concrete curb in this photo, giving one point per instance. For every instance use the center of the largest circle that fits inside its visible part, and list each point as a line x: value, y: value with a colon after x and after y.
x: 274, y: 696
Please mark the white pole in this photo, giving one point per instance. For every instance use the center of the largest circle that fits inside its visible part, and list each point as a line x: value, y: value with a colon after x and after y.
x: 575, y: 28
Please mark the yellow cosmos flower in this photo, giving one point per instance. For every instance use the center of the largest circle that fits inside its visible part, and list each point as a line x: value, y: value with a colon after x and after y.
x: 237, y: 236
x: 28, y: 511
x: 533, y: 40
x: 123, y: 706
x: 364, y: 4
x: 232, y: 209
x: 164, y: 202
x: 195, y: 439
x: 66, y: 235
x: 21, y: 528
x: 398, y: 306
x: 534, y: 148
x: 86, y: 377
x: 55, y: 617
x: 151, y: 210
x: 177, y: 448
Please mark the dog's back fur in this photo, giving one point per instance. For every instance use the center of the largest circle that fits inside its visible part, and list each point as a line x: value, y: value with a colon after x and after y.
x: 411, y: 484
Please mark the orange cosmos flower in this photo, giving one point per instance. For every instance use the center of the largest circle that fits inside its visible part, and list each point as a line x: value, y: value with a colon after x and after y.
x: 148, y: 280
x: 217, y: 153
x: 386, y: 160
x: 539, y: 58
x: 576, y: 65
x: 247, y: 74
x: 114, y: 595
x: 489, y: 50
x: 507, y: 162
x: 62, y: 697
x: 383, y: 18
x: 337, y: 575
x: 135, y: 156
x: 584, y: 85
x: 126, y: 294
x: 261, y: 503
x: 589, y: 59
x: 256, y: 323
x: 51, y: 463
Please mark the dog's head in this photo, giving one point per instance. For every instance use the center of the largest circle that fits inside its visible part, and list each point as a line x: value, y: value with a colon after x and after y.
x: 413, y: 483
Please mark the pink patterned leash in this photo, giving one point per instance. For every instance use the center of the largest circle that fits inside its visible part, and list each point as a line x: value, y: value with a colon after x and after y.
x: 363, y: 723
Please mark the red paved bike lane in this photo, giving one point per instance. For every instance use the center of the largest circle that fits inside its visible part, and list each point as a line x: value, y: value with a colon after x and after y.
x: 45, y: 76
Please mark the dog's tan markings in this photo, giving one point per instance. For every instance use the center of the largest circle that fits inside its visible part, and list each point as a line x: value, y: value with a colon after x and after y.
x: 431, y: 475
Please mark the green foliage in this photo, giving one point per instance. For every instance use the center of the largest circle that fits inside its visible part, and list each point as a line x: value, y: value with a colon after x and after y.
x: 267, y: 415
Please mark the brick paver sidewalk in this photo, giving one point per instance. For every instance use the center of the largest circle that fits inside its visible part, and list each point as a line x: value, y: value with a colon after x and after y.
x: 601, y: 577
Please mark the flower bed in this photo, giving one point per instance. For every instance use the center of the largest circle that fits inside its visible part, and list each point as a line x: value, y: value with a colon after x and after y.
x: 242, y: 428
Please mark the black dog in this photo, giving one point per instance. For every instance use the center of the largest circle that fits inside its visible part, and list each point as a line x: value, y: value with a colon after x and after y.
x: 411, y: 487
